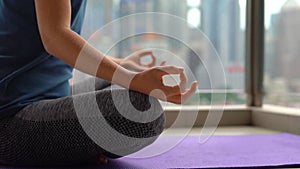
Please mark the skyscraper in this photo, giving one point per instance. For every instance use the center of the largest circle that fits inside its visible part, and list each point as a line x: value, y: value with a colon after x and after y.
x: 138, y: 26
x: 287, y: 40
x: 221, y: 24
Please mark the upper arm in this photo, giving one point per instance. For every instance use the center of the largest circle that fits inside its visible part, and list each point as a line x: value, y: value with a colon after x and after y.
x: 52, y: 16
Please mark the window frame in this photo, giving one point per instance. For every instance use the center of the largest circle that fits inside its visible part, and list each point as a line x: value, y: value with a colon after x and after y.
x: 255, y: 31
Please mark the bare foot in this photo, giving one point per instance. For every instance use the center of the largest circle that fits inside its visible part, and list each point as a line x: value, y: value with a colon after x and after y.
x: 102, y: 160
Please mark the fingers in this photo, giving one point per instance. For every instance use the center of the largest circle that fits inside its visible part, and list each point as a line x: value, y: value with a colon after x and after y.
x: 145, y: 53
x: 142, y: 54
x: 189, y: 93
x: 153, y: 63
x: 163, y: 63
x: 153, y: 57
x: 176, y: 94
x: 173, y: 90
x: 183, y: 97
x: 183, y: 81
x: 138, y: 68
x: 167, y: 70
x: 165, y: 93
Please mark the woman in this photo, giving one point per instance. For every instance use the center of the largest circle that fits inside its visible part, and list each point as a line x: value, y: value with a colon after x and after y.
x: 40, y: 43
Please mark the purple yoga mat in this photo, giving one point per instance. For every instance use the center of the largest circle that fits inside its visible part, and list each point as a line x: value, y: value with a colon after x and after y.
x: 220, y: 152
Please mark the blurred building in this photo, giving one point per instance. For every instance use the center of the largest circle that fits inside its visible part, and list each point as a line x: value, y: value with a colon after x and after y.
x: 270, y: 53
x: 221, y: 23
x: 218, y: 19
x: 286, y: 45
x: 139, y: 25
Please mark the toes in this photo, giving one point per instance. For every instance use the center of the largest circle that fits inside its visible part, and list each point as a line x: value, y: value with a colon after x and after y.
x: 102, y: 159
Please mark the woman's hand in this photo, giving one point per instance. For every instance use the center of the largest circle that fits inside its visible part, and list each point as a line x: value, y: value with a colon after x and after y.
x: 150, y: 82
x: 133, y: 62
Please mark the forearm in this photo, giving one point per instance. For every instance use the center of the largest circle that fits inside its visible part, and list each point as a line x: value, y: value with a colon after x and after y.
x: 75, y: 51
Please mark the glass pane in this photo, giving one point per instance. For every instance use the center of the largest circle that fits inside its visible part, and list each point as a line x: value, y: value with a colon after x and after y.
x: 282, y: 39
x: 220, y: 22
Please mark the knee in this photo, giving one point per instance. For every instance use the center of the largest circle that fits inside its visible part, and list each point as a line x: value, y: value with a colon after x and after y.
x: 154, y: 117
x: 134, y: 115
x: 142, y: 115
x: 152, y: 121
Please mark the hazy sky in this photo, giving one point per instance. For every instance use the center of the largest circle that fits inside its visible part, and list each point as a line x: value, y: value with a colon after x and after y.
x: 271, y: 7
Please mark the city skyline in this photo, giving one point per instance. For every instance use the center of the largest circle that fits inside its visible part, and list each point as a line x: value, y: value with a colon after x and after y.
x: 217, y: 32
x: 282, y: 82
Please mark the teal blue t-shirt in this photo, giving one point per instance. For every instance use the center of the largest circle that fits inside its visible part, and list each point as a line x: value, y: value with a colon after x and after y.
x: 27, y: 72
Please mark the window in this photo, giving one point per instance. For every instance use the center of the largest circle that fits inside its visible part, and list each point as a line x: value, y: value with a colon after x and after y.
x: 222, y: 21
x: 282, y: 39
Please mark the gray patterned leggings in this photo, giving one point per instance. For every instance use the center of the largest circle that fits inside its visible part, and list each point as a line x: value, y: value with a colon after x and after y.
x: 48, y: 133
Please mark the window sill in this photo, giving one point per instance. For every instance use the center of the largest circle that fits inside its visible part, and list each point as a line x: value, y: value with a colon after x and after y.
x: 232, y: 115
x: 269, y: 116
x: 278, y: 110
x: 207, y: 108
x: 277, y: 118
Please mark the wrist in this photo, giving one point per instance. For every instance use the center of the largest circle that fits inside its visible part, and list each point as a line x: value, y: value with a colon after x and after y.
x: 139, y: 83
x: 124, y: 77
x: 118, y: 60
x: 135, y: 82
